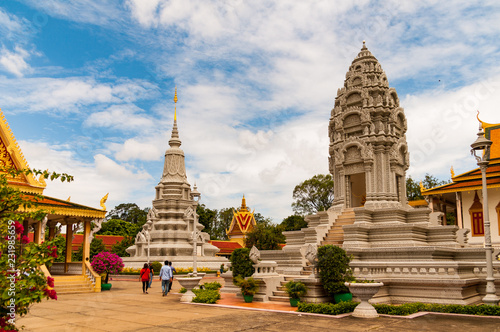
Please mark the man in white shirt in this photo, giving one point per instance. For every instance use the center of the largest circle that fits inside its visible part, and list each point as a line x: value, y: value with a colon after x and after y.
x: 166, y: 278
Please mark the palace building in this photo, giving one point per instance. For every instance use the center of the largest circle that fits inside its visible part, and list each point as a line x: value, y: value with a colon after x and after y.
x: 463, y: 196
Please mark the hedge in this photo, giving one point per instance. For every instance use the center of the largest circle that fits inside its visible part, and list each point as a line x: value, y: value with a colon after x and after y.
x: 401, y: 310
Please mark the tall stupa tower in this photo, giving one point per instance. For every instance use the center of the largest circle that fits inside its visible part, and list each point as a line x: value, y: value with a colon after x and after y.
x: 368, y: 151
x: 170, y: 229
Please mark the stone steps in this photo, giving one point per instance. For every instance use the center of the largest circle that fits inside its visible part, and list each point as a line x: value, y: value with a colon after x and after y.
x: 335, y: 235
x: 280, y: 295
x: 72, y: 284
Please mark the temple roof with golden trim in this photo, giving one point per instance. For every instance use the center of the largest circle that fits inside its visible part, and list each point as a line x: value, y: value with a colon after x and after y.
x: 243, y: 221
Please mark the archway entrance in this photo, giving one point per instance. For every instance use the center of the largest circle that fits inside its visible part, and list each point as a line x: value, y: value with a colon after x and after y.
x: 357, y: 185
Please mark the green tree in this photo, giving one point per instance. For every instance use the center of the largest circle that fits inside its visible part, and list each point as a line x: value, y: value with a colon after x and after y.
x: 293, y: 223
x: 334, y: 269
x: 22, y: 282
x: 313, y: 195
x: 222, y: 223
x: 120, y: 248
x: 413, y: 192
x: 265, y: 237
x: 96, y: 246
x: 206, y: 217
x: 118, y: 227
x: 241, y: 263
x: 129, y: 212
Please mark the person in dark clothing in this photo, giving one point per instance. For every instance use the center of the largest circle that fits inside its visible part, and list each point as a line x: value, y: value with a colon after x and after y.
x: 173, y: 271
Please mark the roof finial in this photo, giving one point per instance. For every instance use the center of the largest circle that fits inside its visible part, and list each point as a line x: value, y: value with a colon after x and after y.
x: 364, y: 46
x: 175, y: 104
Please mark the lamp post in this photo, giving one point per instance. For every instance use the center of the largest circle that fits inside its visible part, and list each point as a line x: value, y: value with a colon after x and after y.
x: 481, y: 151
x: 195, y: 195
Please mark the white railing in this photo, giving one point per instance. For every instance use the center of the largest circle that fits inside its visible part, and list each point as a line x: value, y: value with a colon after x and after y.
x: 95, y: 279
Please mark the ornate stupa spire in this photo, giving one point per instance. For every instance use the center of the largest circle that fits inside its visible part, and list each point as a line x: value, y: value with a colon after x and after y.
x: 174, y: 169
x: 174, y: 139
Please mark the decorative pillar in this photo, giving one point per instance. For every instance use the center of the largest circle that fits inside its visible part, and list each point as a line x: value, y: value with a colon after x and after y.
x: 37, y: 234
x: 52, y: 231
x: 69, y: 244
x: 86, y: 243
x: 460, y: 221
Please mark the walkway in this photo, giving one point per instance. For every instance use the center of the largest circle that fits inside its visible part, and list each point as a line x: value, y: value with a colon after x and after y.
x: 125, y: 308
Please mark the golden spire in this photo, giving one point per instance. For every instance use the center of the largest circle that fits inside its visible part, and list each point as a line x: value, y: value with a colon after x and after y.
x: 452, y: 171
x: 243, y: 207
x: 175, y: 105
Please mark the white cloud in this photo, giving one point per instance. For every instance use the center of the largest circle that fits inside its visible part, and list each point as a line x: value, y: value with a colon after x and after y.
x: 70, y: 94
x: 132, y: 149
x: 91, y: 180
x: 15, y: 62
x: 121, y: 117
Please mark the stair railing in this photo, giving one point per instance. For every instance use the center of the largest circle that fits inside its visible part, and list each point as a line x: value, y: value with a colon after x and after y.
x: 95, y: 278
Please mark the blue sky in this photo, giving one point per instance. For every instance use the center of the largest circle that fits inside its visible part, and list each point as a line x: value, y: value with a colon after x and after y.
x: 87, y: 87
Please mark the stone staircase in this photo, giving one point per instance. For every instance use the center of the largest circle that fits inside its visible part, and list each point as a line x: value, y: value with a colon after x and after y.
x: 72, y: 284
x: 335, y: 235
x: 280, y: 294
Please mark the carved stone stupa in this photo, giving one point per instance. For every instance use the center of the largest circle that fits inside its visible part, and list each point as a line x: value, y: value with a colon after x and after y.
x: 171, y: 221
x: 368, y: 150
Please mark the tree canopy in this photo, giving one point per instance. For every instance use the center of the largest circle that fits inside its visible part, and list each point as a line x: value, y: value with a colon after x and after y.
x: 313, y: 195
x: 413, y: 187
x: 265, y: 237
x: 129, y: 212
x: 293, y: 223
x: 119, y: 227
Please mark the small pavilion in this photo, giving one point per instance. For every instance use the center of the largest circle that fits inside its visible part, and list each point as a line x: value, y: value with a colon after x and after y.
x: 59, y: 213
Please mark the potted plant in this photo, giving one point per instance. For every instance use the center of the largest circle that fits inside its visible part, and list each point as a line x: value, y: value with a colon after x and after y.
x: 106, y: 262
x: 295, y: 290
x: 334, y: 272
x: 248, y: 287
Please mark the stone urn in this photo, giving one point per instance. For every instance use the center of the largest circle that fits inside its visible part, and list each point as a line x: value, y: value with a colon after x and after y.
x: 188, y: 284
x: 364, y: 292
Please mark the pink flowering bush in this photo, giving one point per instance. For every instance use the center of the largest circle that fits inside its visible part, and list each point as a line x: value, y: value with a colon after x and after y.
x: 106, y: 262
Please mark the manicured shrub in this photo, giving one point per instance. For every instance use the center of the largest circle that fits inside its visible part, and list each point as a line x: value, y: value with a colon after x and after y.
x: 328, y: 308
x: 334, y: 270
x: 206, y: 296
x: 241, y: 263
x: 295, y: 289
x: 182, y: 290
x: 248, y: 286
x: 211, y: 285
x: 156, y: 267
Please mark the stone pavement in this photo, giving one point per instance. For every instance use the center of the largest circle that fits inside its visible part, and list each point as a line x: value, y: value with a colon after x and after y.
x: 125, y: 308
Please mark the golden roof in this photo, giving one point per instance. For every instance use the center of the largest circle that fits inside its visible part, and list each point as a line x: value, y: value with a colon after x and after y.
x: 243, y: 221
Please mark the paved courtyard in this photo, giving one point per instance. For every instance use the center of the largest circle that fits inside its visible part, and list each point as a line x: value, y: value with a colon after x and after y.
x: 125, y: 308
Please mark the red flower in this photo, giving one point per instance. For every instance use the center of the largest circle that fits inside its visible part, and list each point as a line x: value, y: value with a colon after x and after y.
x: 25, y: 239
x: 50, y: 281
x: 53, y: 252
x: 51, y: 293
x: 19, y: 227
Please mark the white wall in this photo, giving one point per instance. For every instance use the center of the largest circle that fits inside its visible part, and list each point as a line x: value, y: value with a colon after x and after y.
x: 493, y: 199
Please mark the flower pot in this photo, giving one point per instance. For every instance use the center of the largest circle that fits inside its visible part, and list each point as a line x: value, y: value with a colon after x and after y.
x: 342, y: 297
x: 248, y: 298
x: 364, y: 291
x: 188, y: 284
x: 105, y: 287
x: 294, y: 302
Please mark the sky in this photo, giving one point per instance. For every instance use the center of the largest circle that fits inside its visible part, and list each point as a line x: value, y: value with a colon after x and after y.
x: 87, y: 88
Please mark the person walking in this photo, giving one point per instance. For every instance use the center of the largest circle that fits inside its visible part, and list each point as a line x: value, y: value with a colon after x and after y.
x: 151, y: 274
x: 145, y: 275
x: 166, y: 278
x: 173, y: 271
